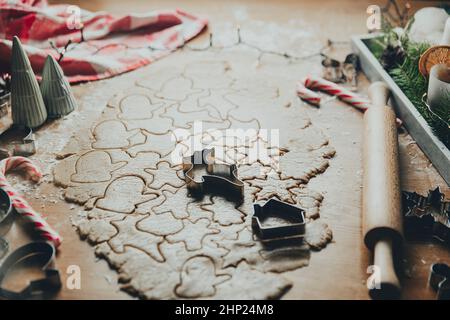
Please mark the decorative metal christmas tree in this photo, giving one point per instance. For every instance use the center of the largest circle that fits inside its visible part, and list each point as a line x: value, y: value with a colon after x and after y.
x: 27, y: 105
x: 56, y: 91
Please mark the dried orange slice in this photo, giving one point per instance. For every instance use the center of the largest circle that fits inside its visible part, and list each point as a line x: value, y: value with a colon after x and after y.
x: 434, y: 55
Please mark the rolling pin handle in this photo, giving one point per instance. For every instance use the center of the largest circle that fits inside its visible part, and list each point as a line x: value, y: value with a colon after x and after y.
x: 389, y: 285
x: 379, y: 94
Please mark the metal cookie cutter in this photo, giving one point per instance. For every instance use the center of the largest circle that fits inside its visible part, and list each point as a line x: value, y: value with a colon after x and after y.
x: 427, y: 216
x: 37, y: 289
x: 332, y: 70
x: 440, y: 280
x: 17, y: 141
x: 6, y: 219
x: 5, y: 101
x: 276, y: 219
x: 220, y: 178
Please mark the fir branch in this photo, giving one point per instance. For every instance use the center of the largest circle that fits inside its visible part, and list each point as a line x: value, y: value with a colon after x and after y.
x: 414, y: 85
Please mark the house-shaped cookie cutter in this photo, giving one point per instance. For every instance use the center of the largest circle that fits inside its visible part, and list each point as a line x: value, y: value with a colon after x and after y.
x: 220, y: 178
x: 289, y: 220
x: 17, y: 141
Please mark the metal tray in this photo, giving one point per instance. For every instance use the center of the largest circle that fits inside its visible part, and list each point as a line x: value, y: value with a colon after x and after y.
x: 413, y: 121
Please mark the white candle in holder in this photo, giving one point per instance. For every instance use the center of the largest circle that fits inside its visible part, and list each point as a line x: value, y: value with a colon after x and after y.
x: 439, y: 86
x: 446, y: 35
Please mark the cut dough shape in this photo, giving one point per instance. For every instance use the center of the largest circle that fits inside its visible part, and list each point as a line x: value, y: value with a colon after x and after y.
x: 305, y: 165
x: 177, y: 89
x: 123, y: 194
x: 266, y: 258
x: 96, y: 230
x: 137, y: 107
x: 158, y: 76
x: 195, y: 211
x: 136, y: 269
x: 193, y: 233
x: 165, y: 144
x: 309, y: 200
x: 162, y: 224
x: 273, y: 186
x: 250, y: 284
x: 224, y: 212
x: 64, y: 170
x: 85, y: 192
x: 186, y: 120
x: 95, y: 166
x: 156, y: 125
x: 138, y: 164
x: 164, y: 174
x: 216, y: 98
x: 199, y: 279
x: 175, y: 203
x: 128, y: 235
x: 112, y: 134
x: 252, y: 171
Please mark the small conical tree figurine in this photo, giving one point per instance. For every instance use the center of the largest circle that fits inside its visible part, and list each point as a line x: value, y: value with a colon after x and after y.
x: 56, y: 91
x: 27, y: 105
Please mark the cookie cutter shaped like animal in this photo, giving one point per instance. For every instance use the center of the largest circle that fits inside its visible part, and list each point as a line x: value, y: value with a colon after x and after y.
x: 17, y: 141
x: 440, y: 280
x: 277, y: 220
x: 221, y: 178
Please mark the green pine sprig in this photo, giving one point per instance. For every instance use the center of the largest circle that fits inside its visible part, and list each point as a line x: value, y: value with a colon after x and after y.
x: 408, y: 77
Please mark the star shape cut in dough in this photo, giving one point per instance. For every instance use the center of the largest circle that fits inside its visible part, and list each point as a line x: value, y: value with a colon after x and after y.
x: 165, y: 174
x: 193, y: 233
x: 273, y: 186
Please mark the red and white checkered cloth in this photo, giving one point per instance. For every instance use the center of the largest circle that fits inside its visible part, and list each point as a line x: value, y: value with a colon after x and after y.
x: 108, y: 44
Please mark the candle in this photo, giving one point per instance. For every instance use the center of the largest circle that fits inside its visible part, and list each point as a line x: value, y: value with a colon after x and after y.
x: 439, y: 86
x: 446, y: 35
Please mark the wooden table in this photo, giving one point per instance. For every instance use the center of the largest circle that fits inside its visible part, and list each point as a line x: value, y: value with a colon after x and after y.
x: 339, y: 271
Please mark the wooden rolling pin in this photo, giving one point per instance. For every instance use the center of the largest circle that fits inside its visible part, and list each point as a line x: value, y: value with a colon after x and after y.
x: 382, y: 217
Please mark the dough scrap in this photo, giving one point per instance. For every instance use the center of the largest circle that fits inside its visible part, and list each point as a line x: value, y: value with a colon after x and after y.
x: 258, y: 285
x: 199, y: 278
x: 318, y: 234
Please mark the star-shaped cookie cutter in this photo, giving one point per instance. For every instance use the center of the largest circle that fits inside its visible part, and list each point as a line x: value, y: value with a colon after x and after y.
x: 17, y: 141
x: 220, y: 179
x: 427, y: 216
x: 276, y: 219
x: 440, y: 280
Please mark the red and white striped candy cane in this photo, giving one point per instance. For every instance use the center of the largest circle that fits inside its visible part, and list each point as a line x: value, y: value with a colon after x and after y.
x: 313, y: 82
x: 317, y: 83
x: 19, y: 203
x: 308, y: 95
